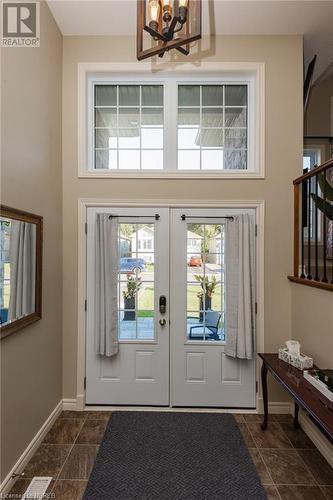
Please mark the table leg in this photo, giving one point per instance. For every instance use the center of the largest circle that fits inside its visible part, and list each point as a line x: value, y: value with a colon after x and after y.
x: 296, y: 422
x: 264, y: 394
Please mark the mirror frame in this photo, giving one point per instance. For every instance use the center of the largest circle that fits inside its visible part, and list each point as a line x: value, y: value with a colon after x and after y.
x: 18, y: 324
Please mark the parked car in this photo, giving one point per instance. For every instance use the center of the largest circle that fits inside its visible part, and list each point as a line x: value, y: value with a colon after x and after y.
x: 195, y: 261
x: 131, y: 265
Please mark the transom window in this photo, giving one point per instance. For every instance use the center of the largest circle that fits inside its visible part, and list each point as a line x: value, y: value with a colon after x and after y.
x: 212, y: 127
x: 161, y: 124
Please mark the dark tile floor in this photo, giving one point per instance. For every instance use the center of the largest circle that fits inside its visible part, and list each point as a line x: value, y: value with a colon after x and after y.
x: 289, y: 465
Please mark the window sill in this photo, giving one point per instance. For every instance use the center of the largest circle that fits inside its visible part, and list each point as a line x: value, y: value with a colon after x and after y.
x: 245, y: 175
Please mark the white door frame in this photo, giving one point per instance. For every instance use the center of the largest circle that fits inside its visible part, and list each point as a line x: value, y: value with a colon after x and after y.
x: 84, y: 203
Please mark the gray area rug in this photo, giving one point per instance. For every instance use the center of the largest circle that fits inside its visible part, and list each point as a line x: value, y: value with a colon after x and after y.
x: 173, y: 456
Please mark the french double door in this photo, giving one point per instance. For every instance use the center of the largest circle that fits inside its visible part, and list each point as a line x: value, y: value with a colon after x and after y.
x: 171, y: 313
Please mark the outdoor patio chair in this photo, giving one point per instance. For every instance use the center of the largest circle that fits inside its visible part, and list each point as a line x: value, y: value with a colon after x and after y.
x: 209, y: 330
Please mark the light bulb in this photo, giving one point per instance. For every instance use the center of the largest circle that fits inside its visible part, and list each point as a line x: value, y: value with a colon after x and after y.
x: 182, y: 11
x: 154, y: 11
x: 167, y: 10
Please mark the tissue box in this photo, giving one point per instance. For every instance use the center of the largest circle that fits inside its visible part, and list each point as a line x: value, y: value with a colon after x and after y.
x: 301, y: 362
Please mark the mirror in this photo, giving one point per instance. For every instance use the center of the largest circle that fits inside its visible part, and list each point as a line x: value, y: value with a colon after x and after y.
x: 20, y: 269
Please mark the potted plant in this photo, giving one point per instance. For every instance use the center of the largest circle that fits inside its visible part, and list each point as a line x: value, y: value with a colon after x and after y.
x: 132, y: 288
x: 207, y: 290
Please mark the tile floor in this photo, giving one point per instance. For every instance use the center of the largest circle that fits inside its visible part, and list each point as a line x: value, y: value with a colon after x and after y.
x: 289, y: 465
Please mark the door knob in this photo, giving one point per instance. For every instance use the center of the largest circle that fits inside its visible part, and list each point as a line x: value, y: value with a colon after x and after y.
x: 162, y: 322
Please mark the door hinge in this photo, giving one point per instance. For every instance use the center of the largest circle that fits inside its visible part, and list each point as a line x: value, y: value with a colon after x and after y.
x: 257, y: 386
x: 86, y: 227
x: 85, y: 305
x: 256, y: 308
x: 256, y: 230
x: 85, y: 382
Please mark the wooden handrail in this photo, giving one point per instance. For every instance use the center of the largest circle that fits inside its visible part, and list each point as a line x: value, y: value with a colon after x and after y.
x: 315, y: 171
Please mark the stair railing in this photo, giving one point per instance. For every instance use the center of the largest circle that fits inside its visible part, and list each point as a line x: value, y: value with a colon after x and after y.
x: 313, y: 227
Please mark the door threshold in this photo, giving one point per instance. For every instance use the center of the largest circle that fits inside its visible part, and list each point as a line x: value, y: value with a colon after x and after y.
x: 174, y: 409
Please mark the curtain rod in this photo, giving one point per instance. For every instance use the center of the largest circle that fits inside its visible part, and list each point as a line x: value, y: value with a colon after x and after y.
x: 156, y: 216
x: 184, y: 217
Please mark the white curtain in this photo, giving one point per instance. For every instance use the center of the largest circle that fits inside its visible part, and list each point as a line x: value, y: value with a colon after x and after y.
x: 106, y: 297
x: 240, y: 286
x: 22, y: 256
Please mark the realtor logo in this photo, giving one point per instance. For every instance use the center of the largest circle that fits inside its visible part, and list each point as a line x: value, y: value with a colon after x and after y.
x: 20, y: 24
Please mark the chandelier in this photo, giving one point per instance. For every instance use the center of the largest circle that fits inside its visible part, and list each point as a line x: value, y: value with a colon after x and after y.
x: 172, y: 24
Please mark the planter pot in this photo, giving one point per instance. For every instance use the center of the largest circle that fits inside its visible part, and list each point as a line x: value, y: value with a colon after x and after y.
x: 205, y: 307
x: 129, y: 304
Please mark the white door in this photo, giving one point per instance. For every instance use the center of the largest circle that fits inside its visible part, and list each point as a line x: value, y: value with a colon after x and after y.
x: 139, y: 373
x: 201, y: 374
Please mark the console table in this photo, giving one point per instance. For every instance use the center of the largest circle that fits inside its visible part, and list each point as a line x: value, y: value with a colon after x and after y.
x: 304, y: 394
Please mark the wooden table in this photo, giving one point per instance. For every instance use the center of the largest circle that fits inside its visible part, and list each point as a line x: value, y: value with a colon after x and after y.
x: 304, y: 394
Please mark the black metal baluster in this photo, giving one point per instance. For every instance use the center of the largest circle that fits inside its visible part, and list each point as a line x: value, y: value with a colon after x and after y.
x: 324, y: 279
x: 303, y: 225
x: 315, y: 208
x: 309, y: 276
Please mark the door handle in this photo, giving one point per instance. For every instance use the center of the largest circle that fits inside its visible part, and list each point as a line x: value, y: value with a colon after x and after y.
x: 162, y: 322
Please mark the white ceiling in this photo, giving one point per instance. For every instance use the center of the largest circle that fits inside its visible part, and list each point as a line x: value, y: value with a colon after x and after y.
x: 311, y: 18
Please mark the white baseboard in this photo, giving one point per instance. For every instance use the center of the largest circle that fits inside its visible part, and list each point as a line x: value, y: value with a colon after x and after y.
x: 283, y: 407
x: 317, y: 437
x: 69, y: 404
x: 9, y: 481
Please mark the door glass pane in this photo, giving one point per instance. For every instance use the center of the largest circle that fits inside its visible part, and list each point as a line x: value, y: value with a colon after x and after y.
x: 205, y: 282
x: 136, y: 286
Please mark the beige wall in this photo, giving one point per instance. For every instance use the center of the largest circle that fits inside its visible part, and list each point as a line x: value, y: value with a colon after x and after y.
x: 318, y: 115
x: 31, y: 365
x: 312, y: 309
x: 312, y: 322
x: 284, y: 118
